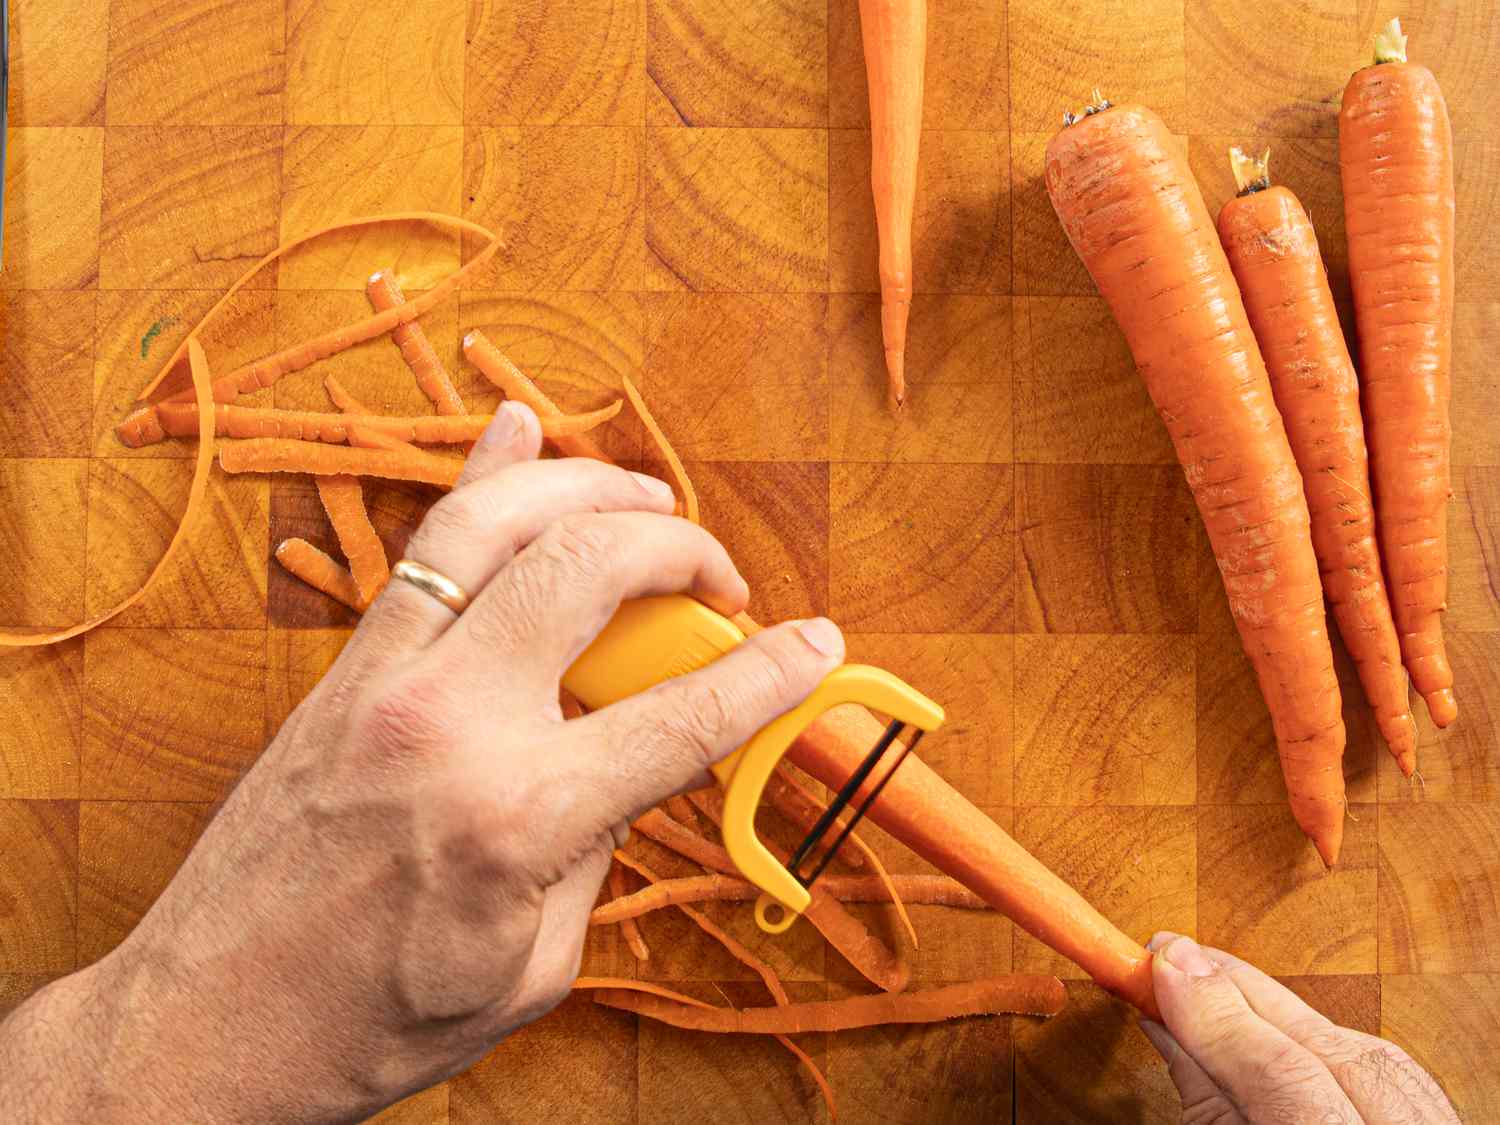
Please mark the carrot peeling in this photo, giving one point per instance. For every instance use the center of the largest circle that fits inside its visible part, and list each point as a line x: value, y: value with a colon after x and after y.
x: 343, y: 499
x: 432, y: 377
x: 303, y: 561
x: 282, y: 455
x: 679, y: 474
x: 630, y: 930
x: 495, y: 366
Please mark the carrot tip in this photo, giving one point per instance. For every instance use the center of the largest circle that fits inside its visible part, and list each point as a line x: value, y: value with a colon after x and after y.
x: 376, y: 276
x: 469, y: 339
x: 1442, y: 706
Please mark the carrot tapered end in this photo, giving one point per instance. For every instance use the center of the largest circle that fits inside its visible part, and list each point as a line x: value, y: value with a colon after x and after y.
x: 1442, y: 706
x: 895, y: 367
x: 141, y: 426
x: 1329, y: 842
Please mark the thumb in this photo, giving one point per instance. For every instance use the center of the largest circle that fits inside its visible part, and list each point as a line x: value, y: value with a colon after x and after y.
x: 1260, y: 1069
x: 662, y: 741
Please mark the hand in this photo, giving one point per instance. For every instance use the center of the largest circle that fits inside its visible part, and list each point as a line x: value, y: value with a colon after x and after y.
x: 1243, y: 1048
x: 406, y: 874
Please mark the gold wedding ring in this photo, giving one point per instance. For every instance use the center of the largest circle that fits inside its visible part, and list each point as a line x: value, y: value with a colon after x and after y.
x: 430, y: 582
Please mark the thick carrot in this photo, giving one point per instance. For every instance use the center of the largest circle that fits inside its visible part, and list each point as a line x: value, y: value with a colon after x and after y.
x: 1022, y: 993
x: 343, y: 499
x: 1133, y: 212
x: 1396, y: 160
x: 495, y: 366
x: 309, y: 425
x: 304, y: 561
x: 432, y: 377
x: 282, y: 455
x: 895, y: 41
x: 1274, y: 254
x: 630, y: 930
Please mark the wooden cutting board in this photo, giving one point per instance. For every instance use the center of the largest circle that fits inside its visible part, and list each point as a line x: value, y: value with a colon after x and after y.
x: 683, y: 187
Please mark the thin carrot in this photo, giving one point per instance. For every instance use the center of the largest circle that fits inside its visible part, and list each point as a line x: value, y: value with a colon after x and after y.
x: 281, y: 455
x: 343, y: 499
x: 1021, y: 993
x: 310, y: 425
x: 895, y: 43
x: 432, y: 377
x: 1274, y: 254
x: 304, y: 561
x: 495, y: 366
x: 635, y: 941
x: 684, y: 484
x: 1396, y: 162
x: 919, y: 890
x: 1133, y: 212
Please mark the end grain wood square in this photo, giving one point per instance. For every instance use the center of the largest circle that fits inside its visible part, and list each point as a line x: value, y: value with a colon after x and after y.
x: 52, y: 178
x: 961, y: 230
x: 296, y: 659
x: 171, y: 714
x: 555, y: 62
x: 1476, y: 171
x: 58, y: 52
x: 1287, y: 914
x: 1105, y: 720
x: 218, y: 577
x: 1473, y: 548
x: 128, y: 852
x: 203, y: 225
x: 42, y: 535
x: 742, y: 210
x: 1349, y: 1001
x: 1104, y: 549
x: 1476, y: 384
x: 1447, y: 1024
x: 965, y: 84
x: 1045, y: 263
x: 1277, y: 68
x: 1139, y: 866
x: 136, y: 331
x: 385, y: 62
x: 1090, y: 1063
x: 575, y: 346
x: 47, y: 392
x: 577, y: 1064
x: 1078, y: 396
x: 1129, y: 51
x: 41, y: 720
x: 38, y: 884
x: 746, y: 65
x: 1438, y: 887
x: 922, y: 548
x: 739, y: 377
x: 212, y: 62
x: 568, y: 201
x: 329, y: 173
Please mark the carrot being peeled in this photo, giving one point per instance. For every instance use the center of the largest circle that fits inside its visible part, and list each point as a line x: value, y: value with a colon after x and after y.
x: 1135, y: 216
x: 1274, y: 255
x: 1396, y: 163
x: 895, y: 45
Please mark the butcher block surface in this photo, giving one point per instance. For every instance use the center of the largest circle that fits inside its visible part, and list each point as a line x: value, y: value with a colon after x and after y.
x: 683, y: 189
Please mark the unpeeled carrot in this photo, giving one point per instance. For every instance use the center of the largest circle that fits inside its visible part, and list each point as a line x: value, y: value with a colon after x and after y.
x: 1396, y: 161
x: 432, y: 377
x: 895, y: 43
x: 282, y: 455
x: 304, y: 561
x: 495, y: 366
x: 1135, y: 216
x: 1274, y: 254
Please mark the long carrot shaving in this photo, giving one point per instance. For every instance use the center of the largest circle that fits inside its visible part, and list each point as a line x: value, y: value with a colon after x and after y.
x: 657, y: 825
x: 302, y: 560
x: 343, y: 398
x: 1022, y: 993
x: 432, y: 377
x: 918, y: 890
x: 680, y: 807
x: 279, y: 455
x: 176, y: 419
x: 629, y: 929
x: 360, y: 436
x: 495, y: 366
x: 344, y: 500
x: 793, y: 801
x: 202, y: 377
x: 679, y: 474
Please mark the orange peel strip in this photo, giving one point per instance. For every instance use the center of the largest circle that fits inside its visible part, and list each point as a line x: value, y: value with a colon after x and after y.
x: 679, y: 474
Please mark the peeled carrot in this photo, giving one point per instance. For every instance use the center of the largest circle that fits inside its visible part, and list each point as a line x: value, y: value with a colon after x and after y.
x: 281, y: 455
x: 304, y: 561
x: 1133, y: 212
x: 895, y: 42
x: 432, y: 377
x: 1396, y: 161
x: 495, y: 366
x: 343, y: 499
x: 1274, y: 254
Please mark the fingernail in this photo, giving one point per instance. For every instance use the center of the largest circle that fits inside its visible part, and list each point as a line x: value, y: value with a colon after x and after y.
x: 1185, y: 954
x: 1161, y: 938
x: 503, y: 427
x: 823, y: 635
x: 1160, y: 1038
x: 655, y: 486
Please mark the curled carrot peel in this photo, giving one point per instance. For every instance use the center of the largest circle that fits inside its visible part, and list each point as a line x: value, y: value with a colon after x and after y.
x: 635, y: 941
x: 303, y: 561
x: 202, y: 378
x: 674, y: 463
x: 495, y: 366
x: 343, y: 499
x: 282, y: 455
x: 432, y: 377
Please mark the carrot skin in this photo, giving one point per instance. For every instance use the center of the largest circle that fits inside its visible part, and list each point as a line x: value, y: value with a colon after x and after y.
x: 1396, y: 160
x: 1134, y: 214
x: 1274, y: 254
x: 416, y: 349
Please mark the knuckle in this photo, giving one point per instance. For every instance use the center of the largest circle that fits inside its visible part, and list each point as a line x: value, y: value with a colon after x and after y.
x: 1289, y: 1068
x: 394, y: 718
x: 698, y: 721
x: 585, y: 546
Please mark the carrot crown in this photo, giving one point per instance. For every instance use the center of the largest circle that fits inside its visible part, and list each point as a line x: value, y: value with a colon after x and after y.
x: 1390, y: 43
x: 1251, y: 173
x: 1097, y: 104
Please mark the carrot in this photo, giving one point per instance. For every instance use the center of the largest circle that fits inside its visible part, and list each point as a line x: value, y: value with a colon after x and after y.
x: 281, y: 455
x: 432, y: 377
x: 304, y: 561
x: 895, y: 42
x: 513, y: 383
x: 923, y: 890
x: 1396, y: 161
x: 1134, y: 214
x: 1274, y: 254
x: 629, y: 929
x: 1021, y: 993
x: 344, y: 500
x: 310, y: 425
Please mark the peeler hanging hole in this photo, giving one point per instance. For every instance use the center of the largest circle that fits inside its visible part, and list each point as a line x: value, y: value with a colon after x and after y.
x: 773, y: 917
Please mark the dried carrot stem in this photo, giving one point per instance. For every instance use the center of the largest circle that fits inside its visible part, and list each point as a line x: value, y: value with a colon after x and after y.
x: 176, y: 419
x: 916, y: 890
x: 495, y: 366
x: 432, y: 377
x: 684, y: 485
x: 631, y: 932
x: 279, y: 455
x: 1022, y: 993
x: 302, y: 560
x: 344, y: 500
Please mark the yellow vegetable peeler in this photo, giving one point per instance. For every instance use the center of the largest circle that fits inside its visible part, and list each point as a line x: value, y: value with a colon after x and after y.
x: 653, y: 639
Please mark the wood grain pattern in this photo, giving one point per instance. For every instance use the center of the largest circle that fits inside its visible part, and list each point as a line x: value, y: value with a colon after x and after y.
x: 41, y: 721
x: 46, y: 397
x: 38, y: 884
x: 58, y: 56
